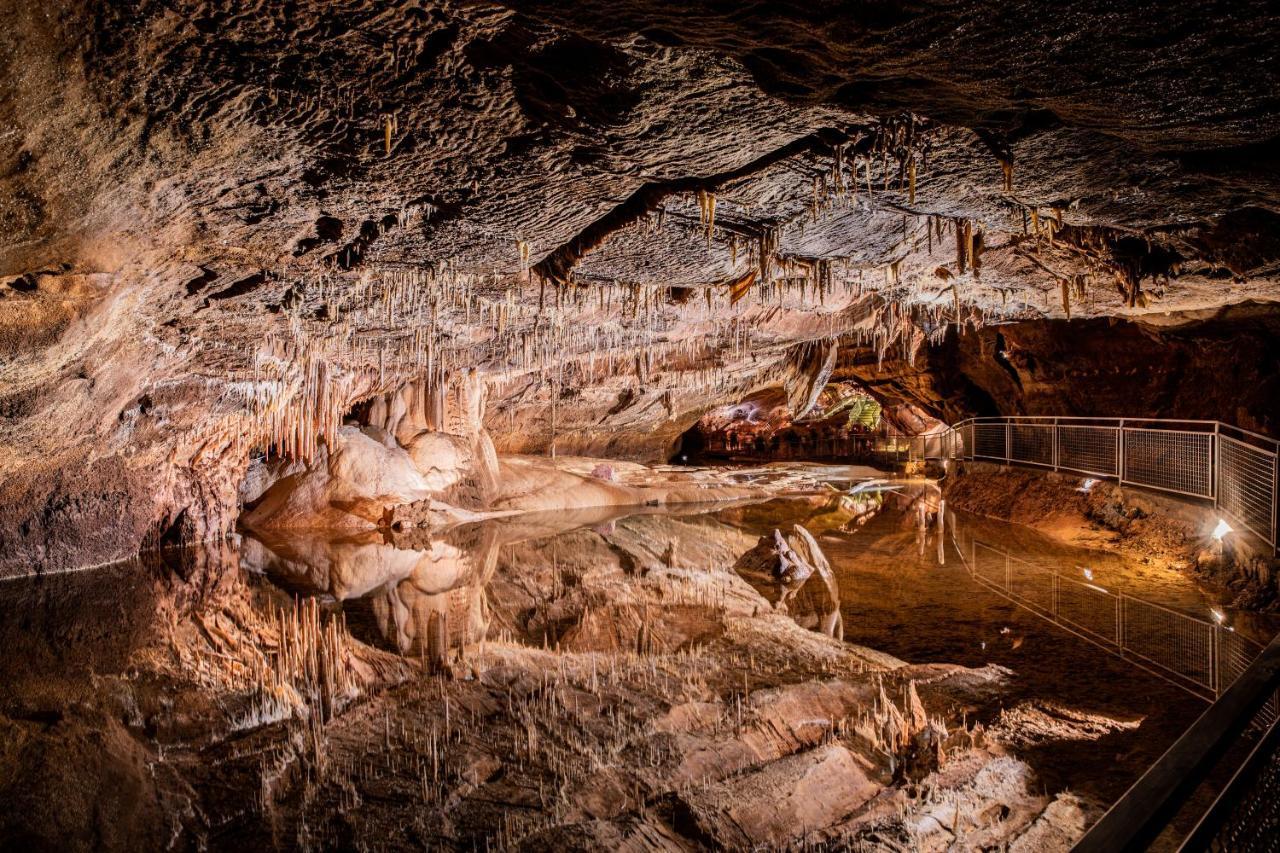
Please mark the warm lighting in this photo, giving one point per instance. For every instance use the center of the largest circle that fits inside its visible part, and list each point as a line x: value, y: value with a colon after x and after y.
x: 1087, y: 484
x: 1088, y: 573
x: 1218, y: 615
x: 1221, y: 530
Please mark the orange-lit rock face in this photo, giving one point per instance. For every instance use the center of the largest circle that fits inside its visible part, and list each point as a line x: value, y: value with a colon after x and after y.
x: 219, y: 230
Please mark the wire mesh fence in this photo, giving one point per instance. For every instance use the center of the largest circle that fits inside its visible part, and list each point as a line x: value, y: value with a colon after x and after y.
x: 1239, y: 471
x: 1177, y: 643
x: 1246, y: 817
x: 990, y: 440
x: 1089, y: 450
x: 991, y: 565
x: 1192, y: 458
x: 1031, y: 443
x: 1090, y: 609
x: 1247, y: 485
x: 1171, y: 460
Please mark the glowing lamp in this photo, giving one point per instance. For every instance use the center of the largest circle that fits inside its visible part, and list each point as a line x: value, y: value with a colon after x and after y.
x: 1221, y: 530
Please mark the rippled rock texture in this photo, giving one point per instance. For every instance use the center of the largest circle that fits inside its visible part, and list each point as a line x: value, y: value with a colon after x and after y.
x: 223, y: 225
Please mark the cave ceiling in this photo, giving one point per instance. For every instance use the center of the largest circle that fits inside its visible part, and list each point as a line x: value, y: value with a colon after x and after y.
x: 214, y: 209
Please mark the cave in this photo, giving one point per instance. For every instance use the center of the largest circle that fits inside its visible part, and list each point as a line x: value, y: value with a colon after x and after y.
x: 505, y: 424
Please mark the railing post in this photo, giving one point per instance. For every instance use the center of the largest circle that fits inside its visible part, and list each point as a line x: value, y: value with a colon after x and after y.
x: 1120, y: 621
x: 1215, y: 465
x: 1215, y: 660
x: 1053, y: 447
x: 1120, y: 453
x: 1008, y: 443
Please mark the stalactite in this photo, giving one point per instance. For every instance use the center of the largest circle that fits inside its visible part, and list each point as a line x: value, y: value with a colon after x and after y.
x: 707, y: 211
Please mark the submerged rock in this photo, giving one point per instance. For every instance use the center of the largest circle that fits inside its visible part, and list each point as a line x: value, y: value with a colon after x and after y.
x: 790, y: 561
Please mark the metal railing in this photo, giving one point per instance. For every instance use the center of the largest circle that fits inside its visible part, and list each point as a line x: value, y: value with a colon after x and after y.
x: 1234, y: 468
x: 1246, y: 814
x: 880, y: 450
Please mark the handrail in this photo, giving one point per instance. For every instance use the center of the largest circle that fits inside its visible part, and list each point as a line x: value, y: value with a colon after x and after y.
x: 1233, y: 796
x: 1119, y: 421
x: 1139, y: 816
x: 1239, y: 471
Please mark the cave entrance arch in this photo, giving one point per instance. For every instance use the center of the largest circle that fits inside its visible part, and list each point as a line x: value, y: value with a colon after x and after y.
x: 845, y: 425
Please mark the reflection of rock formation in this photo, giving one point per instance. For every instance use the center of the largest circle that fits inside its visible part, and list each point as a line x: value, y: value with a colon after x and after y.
x: 427, y: 592
x: 443, y: 604
x: 675, y: 680
x: 792, y: 563
x: 411, y: 583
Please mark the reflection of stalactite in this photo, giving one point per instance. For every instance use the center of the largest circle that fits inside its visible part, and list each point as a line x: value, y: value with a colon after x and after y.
x: 437, y: 645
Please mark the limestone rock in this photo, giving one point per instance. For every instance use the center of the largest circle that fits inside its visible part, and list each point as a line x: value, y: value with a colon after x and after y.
x: 780, y: 802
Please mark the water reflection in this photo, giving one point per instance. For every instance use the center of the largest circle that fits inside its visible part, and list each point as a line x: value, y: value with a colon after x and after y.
x: 410, y: 583
x: 423, y: 592
x: 420, y: 592
x: 214, y: 641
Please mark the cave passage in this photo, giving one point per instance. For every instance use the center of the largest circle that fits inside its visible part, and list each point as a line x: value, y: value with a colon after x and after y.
x: 846, y: 424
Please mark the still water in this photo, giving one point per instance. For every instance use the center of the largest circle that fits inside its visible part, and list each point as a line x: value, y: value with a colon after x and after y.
x: 978, y: 592
x: 1089, y: 634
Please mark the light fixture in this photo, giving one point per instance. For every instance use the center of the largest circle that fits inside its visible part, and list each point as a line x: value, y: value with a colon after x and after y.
x: 1221, y: 530
x: 1088, y: 573
x: 1086, y: 484
x: 1218, y: 615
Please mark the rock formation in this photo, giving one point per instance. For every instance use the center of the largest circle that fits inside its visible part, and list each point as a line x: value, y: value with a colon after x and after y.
x: 225, y: 230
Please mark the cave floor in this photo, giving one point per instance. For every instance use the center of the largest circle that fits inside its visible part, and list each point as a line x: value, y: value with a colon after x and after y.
x: 595, y: 678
